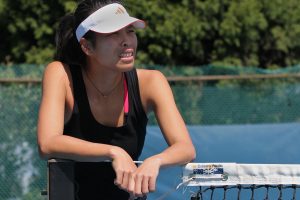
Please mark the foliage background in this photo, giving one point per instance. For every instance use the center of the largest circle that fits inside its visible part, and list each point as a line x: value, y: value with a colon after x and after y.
x: 258, y: 33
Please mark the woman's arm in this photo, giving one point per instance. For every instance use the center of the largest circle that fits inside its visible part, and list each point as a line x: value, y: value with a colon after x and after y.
x: 57, y: 93
x: 157, y: 95
x: 161, y: 101
x: 52, y: 143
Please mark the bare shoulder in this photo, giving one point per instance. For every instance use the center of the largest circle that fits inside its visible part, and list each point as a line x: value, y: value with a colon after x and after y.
x: 150, y: 77
x: 57, y: 73
x: 153, y: 86
x: 56, y: 69
x: 57, y: 85
x: 57, y: 80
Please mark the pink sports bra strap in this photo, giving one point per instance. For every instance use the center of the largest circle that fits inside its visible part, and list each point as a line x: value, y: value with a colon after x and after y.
x: 126, y: 103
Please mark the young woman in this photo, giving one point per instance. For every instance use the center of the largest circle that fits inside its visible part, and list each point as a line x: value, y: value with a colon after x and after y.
x: 95, y: 103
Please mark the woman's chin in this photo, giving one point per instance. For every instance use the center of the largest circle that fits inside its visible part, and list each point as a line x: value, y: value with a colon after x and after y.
x: 126, y: 66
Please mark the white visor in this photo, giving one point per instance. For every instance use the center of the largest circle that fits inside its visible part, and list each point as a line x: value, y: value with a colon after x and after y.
x: 108, y: 19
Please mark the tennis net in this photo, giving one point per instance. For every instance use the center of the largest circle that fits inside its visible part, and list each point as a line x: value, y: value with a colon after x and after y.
x: 205, y: 180
x: 242, y: 181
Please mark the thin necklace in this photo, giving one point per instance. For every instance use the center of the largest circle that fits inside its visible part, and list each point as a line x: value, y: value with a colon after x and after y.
x: 99, y: 91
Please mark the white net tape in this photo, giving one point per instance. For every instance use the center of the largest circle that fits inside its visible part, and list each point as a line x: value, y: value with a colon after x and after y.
x: 207, y: 174
x: 226, y: 176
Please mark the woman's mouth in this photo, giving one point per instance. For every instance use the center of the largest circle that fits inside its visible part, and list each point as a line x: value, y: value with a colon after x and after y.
x: 127, y: 57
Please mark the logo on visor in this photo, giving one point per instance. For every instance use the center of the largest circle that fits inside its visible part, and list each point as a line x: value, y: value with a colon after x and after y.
x: 119, y: 11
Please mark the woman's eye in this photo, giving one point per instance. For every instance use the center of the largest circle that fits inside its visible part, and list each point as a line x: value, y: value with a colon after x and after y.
x: 131, y: 31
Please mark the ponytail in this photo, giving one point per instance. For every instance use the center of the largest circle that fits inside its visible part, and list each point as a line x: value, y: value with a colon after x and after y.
x: 67, y: 47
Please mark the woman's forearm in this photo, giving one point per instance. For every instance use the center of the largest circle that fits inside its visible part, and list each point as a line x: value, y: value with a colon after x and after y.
x: 66, y: 147
x: 177, y: 154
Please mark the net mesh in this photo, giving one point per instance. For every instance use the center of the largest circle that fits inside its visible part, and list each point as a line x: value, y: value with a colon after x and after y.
x: 250, y: 101
x: 264, y: 192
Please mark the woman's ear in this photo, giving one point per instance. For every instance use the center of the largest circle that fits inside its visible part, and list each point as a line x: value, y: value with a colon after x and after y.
x: 86, y: 46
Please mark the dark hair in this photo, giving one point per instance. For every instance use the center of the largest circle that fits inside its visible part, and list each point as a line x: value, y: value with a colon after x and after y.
x: 68, y: 49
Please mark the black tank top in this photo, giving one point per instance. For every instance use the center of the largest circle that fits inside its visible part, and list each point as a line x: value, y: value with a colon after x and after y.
x: 95, y: 181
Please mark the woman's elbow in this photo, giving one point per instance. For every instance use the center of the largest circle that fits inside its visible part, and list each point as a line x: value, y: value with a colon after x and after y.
x: 192, y: 153
x: 44, y: 150
x: 189, y: 152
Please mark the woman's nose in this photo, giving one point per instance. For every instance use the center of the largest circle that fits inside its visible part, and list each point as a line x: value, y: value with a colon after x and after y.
x: 125, y: 39
x: 124, y: 44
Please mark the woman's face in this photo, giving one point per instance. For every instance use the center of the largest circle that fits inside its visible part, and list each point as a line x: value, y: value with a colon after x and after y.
x: 116, y: 50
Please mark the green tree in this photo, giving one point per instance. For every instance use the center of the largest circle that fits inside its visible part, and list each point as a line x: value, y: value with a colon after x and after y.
x: 221, y: 32
x: 30, y: 29
x: 180, y: 32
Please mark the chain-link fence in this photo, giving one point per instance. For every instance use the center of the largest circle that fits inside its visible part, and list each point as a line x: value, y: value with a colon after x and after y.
x: 221, y: 100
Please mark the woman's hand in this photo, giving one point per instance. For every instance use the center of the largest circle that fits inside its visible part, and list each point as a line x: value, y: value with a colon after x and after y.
x: 143, y: 180
x: 124, y: 167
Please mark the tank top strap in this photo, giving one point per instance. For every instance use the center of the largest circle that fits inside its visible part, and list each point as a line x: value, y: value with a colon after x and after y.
x: 134, y: 93
x: 126, y: 102
x: 80, y: 95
